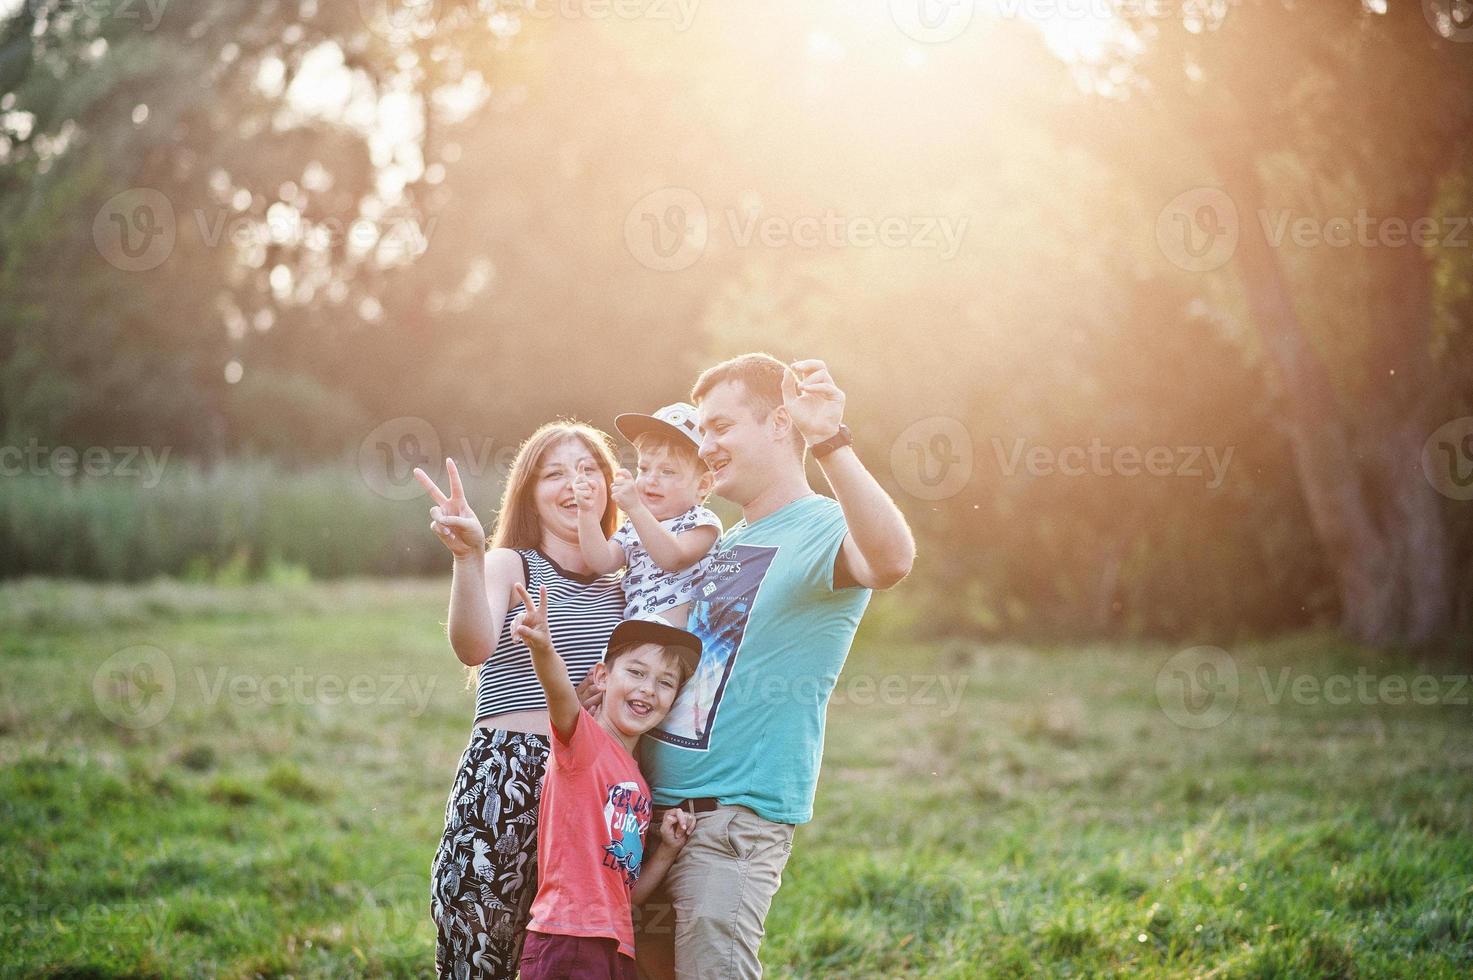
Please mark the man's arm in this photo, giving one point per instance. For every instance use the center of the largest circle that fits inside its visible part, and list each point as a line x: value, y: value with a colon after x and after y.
x: 879, y: 549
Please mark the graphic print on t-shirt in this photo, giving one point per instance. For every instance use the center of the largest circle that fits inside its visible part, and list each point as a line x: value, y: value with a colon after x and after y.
x: 627, y: 816
x: 649, y: 589
x: 718, y: 615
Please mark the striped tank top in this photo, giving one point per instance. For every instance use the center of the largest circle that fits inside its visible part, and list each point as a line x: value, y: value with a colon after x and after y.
x: 582, y: 610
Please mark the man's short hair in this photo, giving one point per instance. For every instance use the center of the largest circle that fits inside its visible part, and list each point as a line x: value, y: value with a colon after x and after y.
x: 760, y: 376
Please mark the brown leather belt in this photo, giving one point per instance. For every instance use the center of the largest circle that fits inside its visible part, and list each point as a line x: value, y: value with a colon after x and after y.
x: 701, y: 804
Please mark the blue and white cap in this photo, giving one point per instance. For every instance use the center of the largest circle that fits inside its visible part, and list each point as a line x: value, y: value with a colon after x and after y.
x: 679, y: 418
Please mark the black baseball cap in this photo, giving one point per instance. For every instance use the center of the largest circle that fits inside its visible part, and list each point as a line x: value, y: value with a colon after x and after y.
x: 685, y: 643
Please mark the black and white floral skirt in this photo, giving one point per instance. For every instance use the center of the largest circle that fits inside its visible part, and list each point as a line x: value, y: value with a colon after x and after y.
x: 484, y: 875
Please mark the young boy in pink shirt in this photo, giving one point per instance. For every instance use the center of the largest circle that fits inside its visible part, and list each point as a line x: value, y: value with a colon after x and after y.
x: 595, y: 807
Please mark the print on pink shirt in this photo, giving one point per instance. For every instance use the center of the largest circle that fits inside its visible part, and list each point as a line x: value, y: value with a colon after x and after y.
x: 627, y: 815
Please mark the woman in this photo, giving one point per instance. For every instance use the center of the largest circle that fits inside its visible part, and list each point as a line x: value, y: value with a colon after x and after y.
x: 484, y: 875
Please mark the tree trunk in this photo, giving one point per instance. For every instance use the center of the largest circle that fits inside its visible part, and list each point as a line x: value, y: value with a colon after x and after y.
x: 1379, y: 522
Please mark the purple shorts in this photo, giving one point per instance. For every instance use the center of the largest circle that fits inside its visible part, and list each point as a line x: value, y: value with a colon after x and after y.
x: 548, y: 957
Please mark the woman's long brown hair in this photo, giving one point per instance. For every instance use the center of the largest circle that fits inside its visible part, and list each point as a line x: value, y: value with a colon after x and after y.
x: 517, y: 523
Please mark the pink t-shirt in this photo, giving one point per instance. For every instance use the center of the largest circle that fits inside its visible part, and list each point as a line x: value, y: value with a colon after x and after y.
x: 590, y: 836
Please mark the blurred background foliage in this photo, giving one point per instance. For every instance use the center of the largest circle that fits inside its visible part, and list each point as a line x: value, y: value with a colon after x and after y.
x: 412, y: 219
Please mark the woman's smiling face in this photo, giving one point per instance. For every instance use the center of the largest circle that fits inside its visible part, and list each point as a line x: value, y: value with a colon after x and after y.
x: 561, y: 464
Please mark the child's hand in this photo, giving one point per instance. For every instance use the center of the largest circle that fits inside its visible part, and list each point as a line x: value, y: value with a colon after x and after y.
x: 583, y: 494
x: 626, y: 494
x: 590, y: 692
x: 530, y: 626
x: 676, y: 828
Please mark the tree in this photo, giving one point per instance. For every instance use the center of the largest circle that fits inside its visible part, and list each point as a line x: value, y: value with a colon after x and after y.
x: 1343, y: 107
x: 181, y: 186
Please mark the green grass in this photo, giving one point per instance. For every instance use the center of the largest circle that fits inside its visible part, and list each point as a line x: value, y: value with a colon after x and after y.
x: 240, y: 520
x: 279, y: 815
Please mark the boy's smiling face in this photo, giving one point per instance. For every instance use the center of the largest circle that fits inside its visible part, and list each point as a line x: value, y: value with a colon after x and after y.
x: 639, y: 688
x: 670, y: 483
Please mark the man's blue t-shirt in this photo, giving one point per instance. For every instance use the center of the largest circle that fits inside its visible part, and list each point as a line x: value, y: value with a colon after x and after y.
x: 747, y: 728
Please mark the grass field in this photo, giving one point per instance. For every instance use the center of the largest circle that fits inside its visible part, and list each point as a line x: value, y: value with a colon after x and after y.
x: 250, y: 781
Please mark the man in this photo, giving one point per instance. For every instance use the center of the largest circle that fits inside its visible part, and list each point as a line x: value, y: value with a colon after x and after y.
x: 777, y: 611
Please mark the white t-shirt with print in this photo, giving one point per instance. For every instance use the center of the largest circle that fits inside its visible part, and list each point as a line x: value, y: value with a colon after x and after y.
x: 648, y: 588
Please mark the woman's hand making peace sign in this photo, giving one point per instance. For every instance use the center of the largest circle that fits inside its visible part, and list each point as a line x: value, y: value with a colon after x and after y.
x: 452, y: 519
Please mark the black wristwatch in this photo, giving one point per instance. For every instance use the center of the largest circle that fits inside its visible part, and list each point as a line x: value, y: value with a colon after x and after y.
x: 838, y: 440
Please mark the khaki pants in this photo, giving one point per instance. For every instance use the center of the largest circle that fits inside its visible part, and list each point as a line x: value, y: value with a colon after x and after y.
x: 706, y: 920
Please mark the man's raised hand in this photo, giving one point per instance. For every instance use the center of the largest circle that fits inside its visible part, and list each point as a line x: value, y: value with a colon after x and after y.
x: 451, y: 518
x: 813, y: 401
